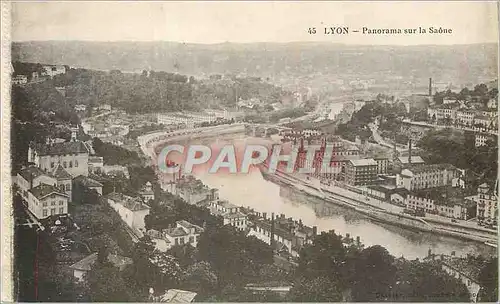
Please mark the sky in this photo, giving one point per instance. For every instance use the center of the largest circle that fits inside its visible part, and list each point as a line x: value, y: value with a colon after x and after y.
x: 245, y: 22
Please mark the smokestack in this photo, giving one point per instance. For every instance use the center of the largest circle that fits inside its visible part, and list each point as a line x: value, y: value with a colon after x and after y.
x: 315, y: 230
x: 409, y: 152
x: 430, y: 87
x: 272, y: 229
x: 264, y: 215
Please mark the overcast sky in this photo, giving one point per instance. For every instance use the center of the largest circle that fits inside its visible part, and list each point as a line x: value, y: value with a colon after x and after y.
x: 215, y: 22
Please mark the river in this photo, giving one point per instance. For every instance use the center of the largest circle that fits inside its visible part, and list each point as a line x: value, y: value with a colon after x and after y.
x: 252, y: 190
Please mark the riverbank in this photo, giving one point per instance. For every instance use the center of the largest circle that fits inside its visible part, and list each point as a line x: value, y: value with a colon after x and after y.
x: 379, y: 211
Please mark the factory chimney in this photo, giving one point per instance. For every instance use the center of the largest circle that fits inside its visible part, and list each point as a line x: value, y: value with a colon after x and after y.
x: 409, y: 151
x: 430, y: 87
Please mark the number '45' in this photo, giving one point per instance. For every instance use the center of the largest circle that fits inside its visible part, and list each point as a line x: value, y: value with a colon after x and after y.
x: 312, y: 30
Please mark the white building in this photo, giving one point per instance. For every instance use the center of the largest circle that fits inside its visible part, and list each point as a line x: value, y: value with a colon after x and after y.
x: 131, y: 210
x: 46, y: 200
x: 147, y: 193
x: 487, y: 203
x: 189, y: 119
x: 182, y: 233
x: 230, y: 213
x: 53, y: 70
x: 426, y: 176
x: 96, y: 164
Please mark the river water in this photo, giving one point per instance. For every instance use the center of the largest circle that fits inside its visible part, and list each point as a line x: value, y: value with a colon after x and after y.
x: 252, y: 190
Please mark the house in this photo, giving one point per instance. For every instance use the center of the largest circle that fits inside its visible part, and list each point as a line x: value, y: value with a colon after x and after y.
x: 80, y: 108
x: 20, y: 79
x: 89, y: 183
x: 266, y: 231
x: 72, y: 155
x: 63, y: 179
x: 492, y: 103
x: 182, y: 233
x: 403, y: 162
x: 131, y: 210
x: 81, y: 267
x: 47, y: 200
x: 115, y: 170
x: 482, y: 138
x: 231, y: 214
x: 174, y: 296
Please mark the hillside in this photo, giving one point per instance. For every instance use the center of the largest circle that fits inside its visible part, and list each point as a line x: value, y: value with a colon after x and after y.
x: 460, y: 64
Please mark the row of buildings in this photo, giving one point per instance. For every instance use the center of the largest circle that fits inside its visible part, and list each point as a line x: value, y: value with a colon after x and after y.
x: 47, y: 71
x: 190, y: 120
x: 457, y: 113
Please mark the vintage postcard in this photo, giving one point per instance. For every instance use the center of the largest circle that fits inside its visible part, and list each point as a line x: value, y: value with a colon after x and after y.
x: 250, y: 151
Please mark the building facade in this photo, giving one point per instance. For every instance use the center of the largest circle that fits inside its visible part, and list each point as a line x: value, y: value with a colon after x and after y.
x: 131, y: 210
x: 72, y: 156
x: 427, y: 176
x: 360, y: 172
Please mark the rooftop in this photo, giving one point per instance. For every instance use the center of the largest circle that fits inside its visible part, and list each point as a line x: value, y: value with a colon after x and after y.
x: 74, y: 147
x: 87, y: 181
x: 177, y: 296
x: 87, y: 262
x: 363, y: 162
x: 443, y: 195
x: 431, y: 168
x: 133, y: 204
x: 415, y: 159
x: 44, y: 190
x: 31, y: 172
x: 60, y: 173
x: 463, y: 266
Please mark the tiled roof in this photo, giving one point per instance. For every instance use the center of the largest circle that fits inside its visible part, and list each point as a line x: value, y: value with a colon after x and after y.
x: 463, y: 266
x: 60, y: 173
x: 175, y: 232
x: 87, y: 181
x: 43, y: 190
x: 74, y: 147
x: 31, y: 172
x: 133, y: 204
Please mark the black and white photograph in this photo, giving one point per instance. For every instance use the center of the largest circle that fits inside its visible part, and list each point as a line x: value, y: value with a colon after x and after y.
x: 239, y: 151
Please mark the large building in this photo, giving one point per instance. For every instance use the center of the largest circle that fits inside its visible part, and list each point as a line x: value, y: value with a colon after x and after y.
x: 487, y: 203
x: 73, y: 156
x: 53, y: 70
x: 189, y: 119
x: 359, y: 172
x: 427, y: 176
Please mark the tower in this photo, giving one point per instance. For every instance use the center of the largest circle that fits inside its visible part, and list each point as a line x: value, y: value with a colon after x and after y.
x: 430, y: 87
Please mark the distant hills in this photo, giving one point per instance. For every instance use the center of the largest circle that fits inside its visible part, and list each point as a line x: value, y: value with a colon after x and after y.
x: 457, y: 63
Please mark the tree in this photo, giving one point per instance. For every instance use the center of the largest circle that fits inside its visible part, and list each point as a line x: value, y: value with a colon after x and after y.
x: 102, y: 288
x: 200, y: 277
x: 374, y: 275
x: 319, y: 289
x: 488, y: 279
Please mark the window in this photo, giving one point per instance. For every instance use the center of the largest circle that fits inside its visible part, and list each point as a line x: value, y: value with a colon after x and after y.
x: 52, y: 211
x: 52, y: 164
x: 44, y: 212
x: 76, y: 163
x: 65, y: 164
x: 61, y: 210
x: 176, y: 241
x: 53, y: 203
x: 70, y: 164
x: 45, y: 204
x: 61, y: 203
x: 191, y: 239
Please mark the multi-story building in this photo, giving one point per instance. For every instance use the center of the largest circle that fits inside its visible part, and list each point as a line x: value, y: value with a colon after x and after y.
x: 182, y: 233
x: 441, y: 112
x: 131, y: 210
x: 193, y: 191
x: 492, y: 103
x: 231, y: 214
x: 47, y: 200
x: 465, y: 117
x: 360, y: 172
x: 189, y: 119
x: 427, y: 176
x: 147, y: 193
x: 73, y: 156
x: 487, y: 203
x: 32, y: 176
x: 383, y: 164
x: 95, y: 164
